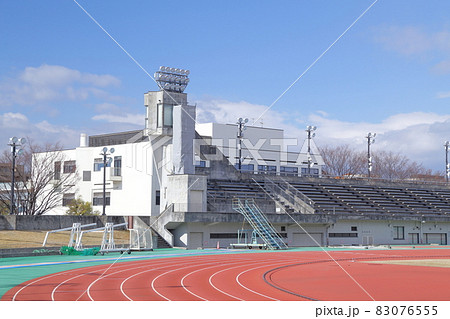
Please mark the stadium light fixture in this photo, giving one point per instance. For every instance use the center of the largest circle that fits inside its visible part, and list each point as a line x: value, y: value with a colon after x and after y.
x: 310, y: 134
x: 240, y: 135
x: 16, y: 149
x: 370, y: 140
x: 447, y: 165
x: 172, y: 79
x: 106, y: 160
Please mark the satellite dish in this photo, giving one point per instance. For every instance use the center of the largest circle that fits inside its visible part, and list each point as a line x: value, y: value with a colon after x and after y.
x: 23, y: 140
x: 112, y: 150
x: 246, y: 121
x: 105, y: 149
x: 187, y: 72
x: 14, y: 139
x: 162, y: 68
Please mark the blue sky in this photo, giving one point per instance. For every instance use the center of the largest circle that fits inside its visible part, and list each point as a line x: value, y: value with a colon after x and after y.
x: 61, y: 75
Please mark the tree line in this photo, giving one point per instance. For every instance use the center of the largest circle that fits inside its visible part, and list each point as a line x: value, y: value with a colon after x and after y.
x: 344, y: 161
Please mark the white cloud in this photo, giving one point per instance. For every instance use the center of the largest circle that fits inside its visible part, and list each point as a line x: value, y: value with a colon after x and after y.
x: 418, y: 135
x: 52, y: 83
x: 17, y: 124
x: 414, y: 41
x: 127, y: 118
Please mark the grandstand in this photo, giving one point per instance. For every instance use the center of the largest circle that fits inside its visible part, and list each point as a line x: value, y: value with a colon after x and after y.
x: 342, y: 211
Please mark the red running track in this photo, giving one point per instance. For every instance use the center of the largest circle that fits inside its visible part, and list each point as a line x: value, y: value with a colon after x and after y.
x: 250, y: 276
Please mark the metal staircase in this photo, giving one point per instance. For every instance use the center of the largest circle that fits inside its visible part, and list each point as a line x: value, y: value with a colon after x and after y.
x: 287, y: 196
x: 256, y: 218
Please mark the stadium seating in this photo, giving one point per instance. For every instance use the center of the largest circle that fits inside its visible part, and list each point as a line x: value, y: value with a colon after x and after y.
x: 335, y: 197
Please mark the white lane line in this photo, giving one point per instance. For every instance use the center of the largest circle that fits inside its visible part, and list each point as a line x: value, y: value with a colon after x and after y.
x: 218, y: 272
x: 167, y: 272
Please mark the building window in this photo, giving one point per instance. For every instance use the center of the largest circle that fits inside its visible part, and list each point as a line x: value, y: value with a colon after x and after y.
x: 267, y: 169
x: 165, y: 115
x: 117, y: 165
x: 200, y: 163
x: 57, y: 172
x: 67, y: 199
x: 283, y: 228
x: 69, y: 167
x: 399, y: 232
x: 223, y: 235
x: 208, y: 149
x: 310, y: 171
x: 98, y: 164
x: 343, y: 235
x: 354, y: 228
x: 86, y: 176
x: 158, y: 198
x: 97, y: 200
x: 287, y: 170
x: 245, y: 167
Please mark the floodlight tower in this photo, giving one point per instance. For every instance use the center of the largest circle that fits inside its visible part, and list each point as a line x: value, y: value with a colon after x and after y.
x: 16, y: 144
x: 310, y: 134
x: 240, y: 135
x: 172, y: 79
x: 370, y: 140
x: 447, y: 165
x: 106, y: 159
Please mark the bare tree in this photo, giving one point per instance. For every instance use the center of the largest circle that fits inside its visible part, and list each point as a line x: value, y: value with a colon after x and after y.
x: 342, y: 160
x: 45, y: 177
x: 394, y: 166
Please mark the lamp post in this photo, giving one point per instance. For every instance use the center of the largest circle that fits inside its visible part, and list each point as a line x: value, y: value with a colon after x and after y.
x: 447, y: 167
x: 241, y: 128
x: 370, y: 140
x: 309, y: 130
x: 105, y: 154
x: 15, y: 144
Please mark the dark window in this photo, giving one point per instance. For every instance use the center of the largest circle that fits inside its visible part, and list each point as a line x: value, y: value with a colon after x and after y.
x: 287, y: 170
x: 245, y: 167
x: 208, y: 149
x: 86, y: 176
x: 343, y: 235
x: 399, y: 232
x: 164, y: 115
x: 223, y: 235
x: 69, y: 167
x: 158, y: 198
x: 267, y: 169
x: 354, y: 228
x: 312, y: 171
x: 283, y: 228
x: 117, y: 165
x: 67, y: 199
x: 98, y: 199
x: 57, y: 173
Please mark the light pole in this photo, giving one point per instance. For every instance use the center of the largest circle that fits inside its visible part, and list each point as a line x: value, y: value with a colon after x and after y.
x: 309, y: 130
x: 240, y: 135
x: 105, y: 154
x: 370, y: 140
x: 15, y: 144
x: 447, y: 167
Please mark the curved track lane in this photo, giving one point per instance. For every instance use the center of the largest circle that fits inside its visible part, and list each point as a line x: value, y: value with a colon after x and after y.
x: 249, y: 276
